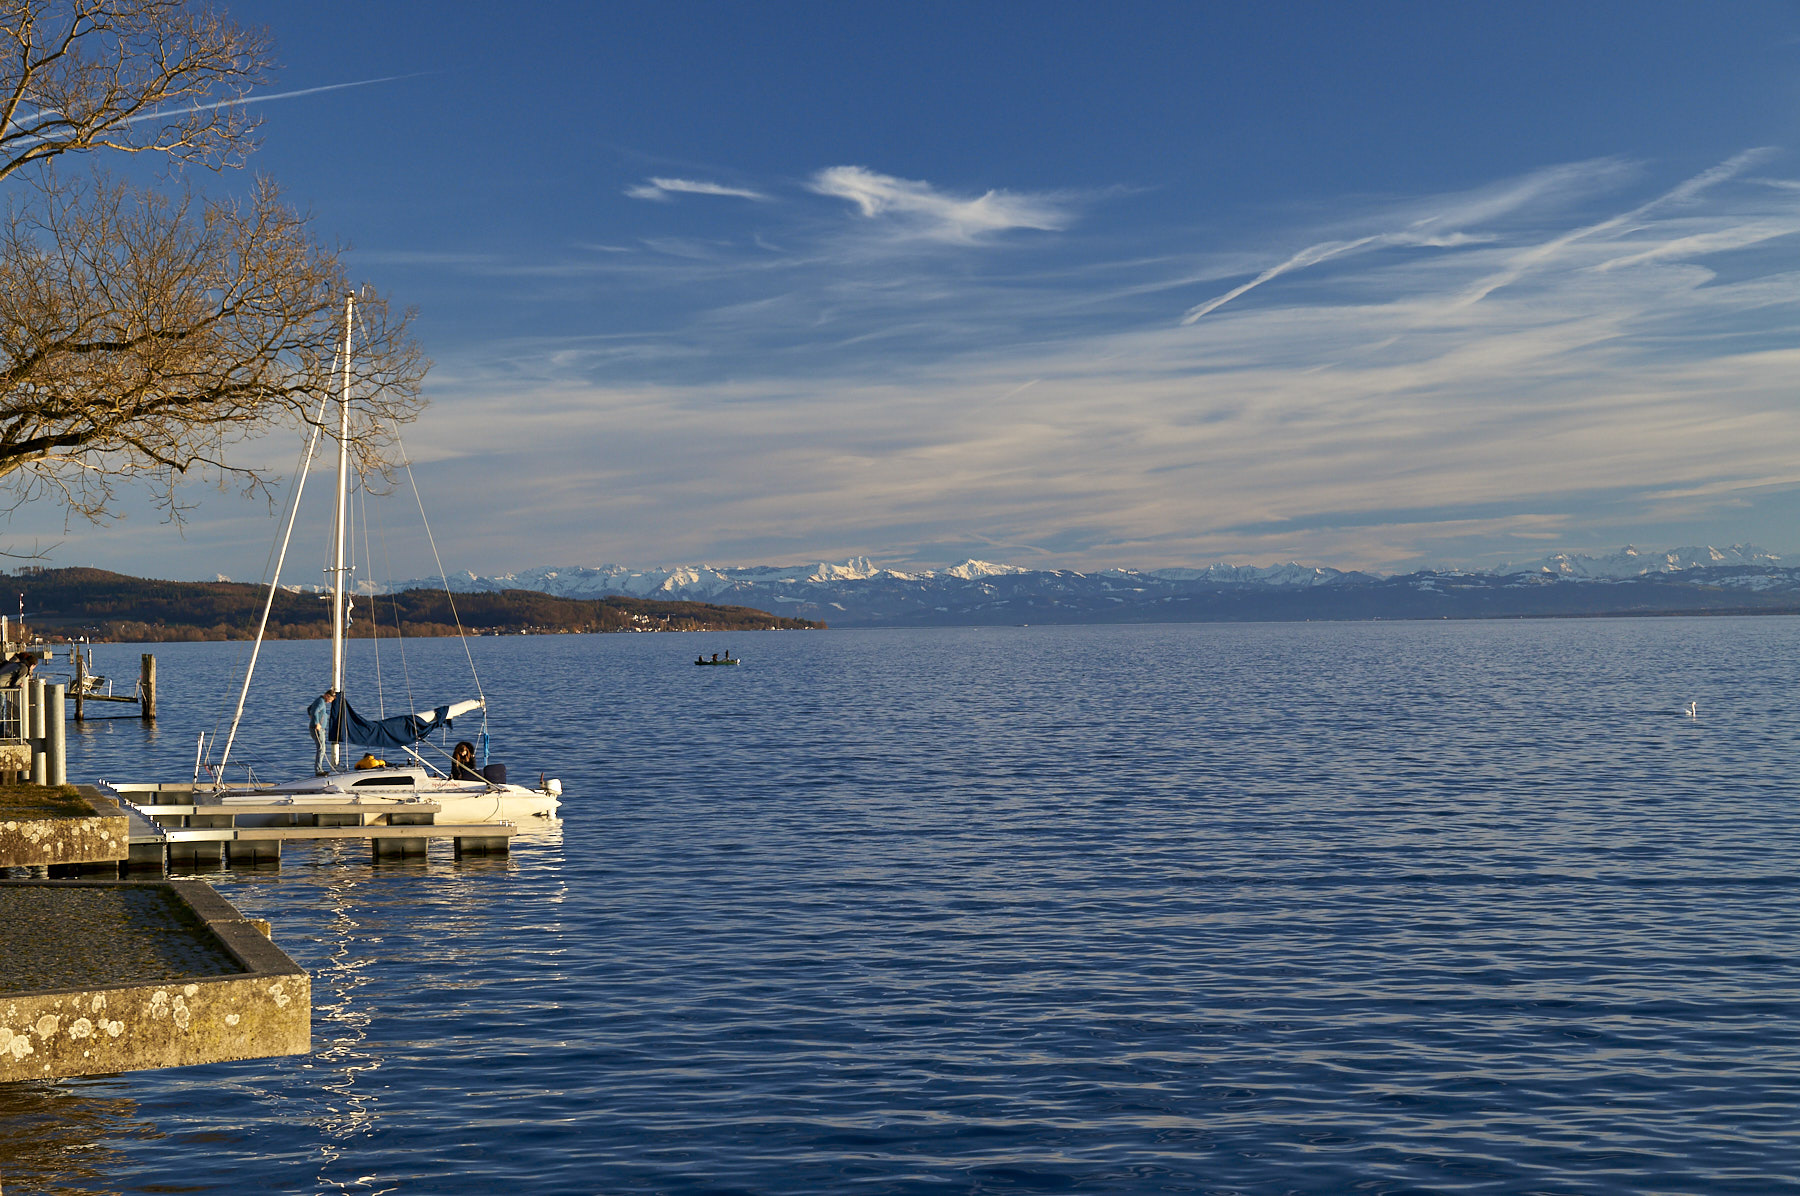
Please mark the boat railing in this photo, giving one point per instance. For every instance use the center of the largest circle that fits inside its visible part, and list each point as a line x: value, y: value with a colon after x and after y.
x: 32, y: 744
x: 212, y: 774
x: 12, y: 711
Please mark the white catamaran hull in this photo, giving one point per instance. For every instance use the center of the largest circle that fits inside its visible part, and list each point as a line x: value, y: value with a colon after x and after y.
x: 458, y: 802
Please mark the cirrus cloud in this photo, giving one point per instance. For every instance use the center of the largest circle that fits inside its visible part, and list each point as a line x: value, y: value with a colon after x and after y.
x: 918, y: 209
x: 660, y: 189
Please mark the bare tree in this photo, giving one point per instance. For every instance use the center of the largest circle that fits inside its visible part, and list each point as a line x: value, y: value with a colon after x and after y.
x: 141, y: 336
x: 159, y: 76
x: 145, y: 333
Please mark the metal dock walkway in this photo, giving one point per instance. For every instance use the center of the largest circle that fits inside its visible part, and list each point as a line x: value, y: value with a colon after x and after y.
x: 163, y: 833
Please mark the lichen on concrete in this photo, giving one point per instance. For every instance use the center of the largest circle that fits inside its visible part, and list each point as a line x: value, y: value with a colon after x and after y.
x: 175, y: 976
x: 60, y: 825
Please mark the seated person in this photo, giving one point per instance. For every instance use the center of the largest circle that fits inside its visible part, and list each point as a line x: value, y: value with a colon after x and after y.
x: 17, y: 671
x: 462, y: 763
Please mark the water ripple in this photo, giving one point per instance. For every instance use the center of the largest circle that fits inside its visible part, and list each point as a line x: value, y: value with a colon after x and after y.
x: 1375, y: 908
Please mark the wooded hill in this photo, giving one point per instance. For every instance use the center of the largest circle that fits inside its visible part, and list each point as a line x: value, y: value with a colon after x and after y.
x: 103, y: 605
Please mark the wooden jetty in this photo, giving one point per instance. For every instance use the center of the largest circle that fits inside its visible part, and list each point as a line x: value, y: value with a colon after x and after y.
x: 88, y: 687
x: 188, y: 824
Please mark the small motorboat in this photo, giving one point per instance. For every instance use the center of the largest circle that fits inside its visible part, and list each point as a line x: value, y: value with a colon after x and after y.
x: 716, y: 660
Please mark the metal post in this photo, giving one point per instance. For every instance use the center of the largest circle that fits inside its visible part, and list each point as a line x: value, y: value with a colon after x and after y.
x: 57, y: 744
x: 147, y: 689
x: 80, y: 682
x: 40, y: 765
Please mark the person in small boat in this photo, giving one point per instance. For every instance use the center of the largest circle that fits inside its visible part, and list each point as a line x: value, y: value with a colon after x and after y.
x: 715, y: 658
x: 698, y: 659
x: 320, y: 714
x: 462, y: 763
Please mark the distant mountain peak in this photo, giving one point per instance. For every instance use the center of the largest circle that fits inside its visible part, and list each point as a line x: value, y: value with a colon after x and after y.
x: 972, y: 569
x: 1631, y: 561
x: 855, y: 569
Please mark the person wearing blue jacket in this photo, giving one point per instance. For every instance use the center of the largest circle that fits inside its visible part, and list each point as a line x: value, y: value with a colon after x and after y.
x: 320, y: 713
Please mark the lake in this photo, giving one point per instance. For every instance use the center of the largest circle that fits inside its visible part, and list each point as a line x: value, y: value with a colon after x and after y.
x: 1269, y: 908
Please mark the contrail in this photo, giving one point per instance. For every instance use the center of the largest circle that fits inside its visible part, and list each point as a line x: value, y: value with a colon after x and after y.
x: 258, y: 99
x: 165, y: 113
x: 1521, y: 264
x: 1311, y: 255
x: 1539, y: 254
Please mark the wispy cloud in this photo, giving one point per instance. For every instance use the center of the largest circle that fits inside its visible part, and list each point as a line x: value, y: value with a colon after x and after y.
x: 1368, y: 419
x: 918, y: 209
x: 823, y: 401
x: 661, y: 190
x: 1441, y: 223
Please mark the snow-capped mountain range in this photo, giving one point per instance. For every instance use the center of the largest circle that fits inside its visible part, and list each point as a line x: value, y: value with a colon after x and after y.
x: 860, y: 592
x: 707, y: 583
x: 1634, y: 562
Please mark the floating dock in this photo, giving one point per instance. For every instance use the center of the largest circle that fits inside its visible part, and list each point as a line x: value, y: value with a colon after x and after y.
x: 186, y: 824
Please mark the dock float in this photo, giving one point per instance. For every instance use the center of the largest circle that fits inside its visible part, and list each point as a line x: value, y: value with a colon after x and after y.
x: 164, y: 832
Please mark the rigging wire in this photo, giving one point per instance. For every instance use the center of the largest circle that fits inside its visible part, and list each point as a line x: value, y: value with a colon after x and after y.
x: 247, y: 659
x: 442, y: 575
x: 362, y: 509
x: 305, y: 466
x: 387, y: 565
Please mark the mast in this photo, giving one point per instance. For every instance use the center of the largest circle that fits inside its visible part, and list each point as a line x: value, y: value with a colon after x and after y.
x: 338, y: 567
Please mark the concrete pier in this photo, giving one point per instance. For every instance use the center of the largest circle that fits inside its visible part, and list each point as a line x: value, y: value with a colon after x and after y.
x: 109, y: 976
x: 62, y: 827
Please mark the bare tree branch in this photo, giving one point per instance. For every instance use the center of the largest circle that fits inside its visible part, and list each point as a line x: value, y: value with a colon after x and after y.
x: 137, y: 76
x: 143, y: 336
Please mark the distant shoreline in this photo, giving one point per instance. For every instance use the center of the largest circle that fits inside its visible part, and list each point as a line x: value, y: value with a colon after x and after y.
x: 95, y: 605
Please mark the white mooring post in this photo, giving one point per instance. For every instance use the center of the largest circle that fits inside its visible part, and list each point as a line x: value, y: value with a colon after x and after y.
x: 40, y: 763
x: 57, y: 747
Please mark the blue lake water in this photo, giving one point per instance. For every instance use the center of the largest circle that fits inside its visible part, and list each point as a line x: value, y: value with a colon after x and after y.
x: 1312, y: 908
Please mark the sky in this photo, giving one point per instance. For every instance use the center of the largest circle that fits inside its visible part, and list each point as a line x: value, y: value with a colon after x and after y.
x: 1063, y: 285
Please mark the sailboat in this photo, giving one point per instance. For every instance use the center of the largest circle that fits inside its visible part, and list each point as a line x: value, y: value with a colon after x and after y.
x: 478, y: 795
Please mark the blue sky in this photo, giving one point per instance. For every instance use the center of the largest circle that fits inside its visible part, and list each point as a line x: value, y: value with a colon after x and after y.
x: 1374, y: 286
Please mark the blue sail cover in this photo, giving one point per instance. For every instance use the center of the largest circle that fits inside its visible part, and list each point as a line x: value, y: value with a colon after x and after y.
x: 400, y: 731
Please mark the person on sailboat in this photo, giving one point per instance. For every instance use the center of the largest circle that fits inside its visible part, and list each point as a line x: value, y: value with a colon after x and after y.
x: 462, y: 763
x: 320, y: 714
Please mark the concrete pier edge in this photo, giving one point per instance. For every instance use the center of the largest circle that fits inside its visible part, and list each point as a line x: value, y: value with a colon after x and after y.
x: 263, y: 1010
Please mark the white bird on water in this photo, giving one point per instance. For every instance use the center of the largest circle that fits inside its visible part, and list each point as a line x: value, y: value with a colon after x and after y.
x: 1692, y: 710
